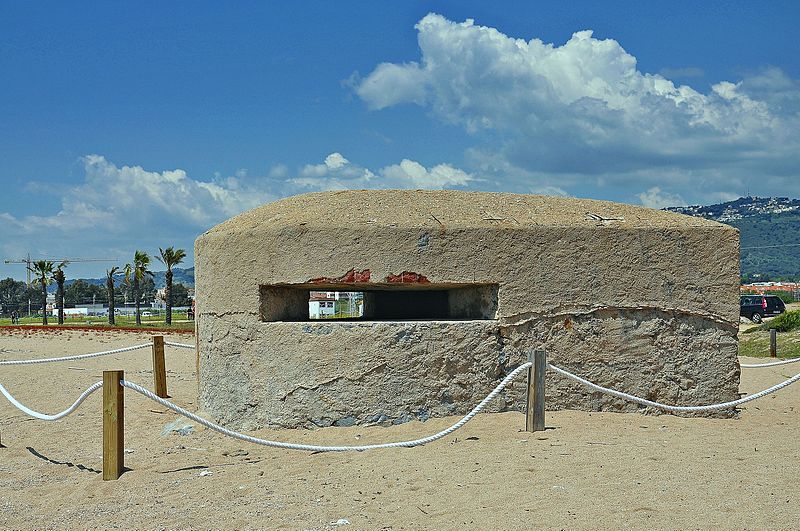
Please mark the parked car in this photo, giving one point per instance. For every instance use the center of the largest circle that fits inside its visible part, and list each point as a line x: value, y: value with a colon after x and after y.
x: 147, y: 314
x: 756, y: 307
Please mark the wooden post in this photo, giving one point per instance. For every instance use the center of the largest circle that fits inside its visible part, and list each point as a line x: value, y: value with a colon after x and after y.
x: 113, y: 425
x: 159, y: 369
x: 534, y: 417
x: 773, y: 343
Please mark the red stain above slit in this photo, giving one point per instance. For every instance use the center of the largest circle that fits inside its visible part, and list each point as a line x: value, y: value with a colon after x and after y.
x: 354, y: 276
x: 350, y: 276
x: 408, y: 277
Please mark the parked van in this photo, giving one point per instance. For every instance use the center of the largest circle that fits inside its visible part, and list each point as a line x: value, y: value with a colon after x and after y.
x: 756, y: 307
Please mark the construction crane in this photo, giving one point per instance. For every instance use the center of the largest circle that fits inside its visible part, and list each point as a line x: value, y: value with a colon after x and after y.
x: 28, y: 261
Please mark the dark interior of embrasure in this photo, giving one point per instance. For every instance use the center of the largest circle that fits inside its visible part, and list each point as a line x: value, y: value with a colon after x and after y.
x: 429, y: 302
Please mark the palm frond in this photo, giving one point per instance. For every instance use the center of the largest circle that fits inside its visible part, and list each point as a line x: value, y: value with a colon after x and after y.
x: 128, y: 273
x: 171, y: 257
x: 43, y: 269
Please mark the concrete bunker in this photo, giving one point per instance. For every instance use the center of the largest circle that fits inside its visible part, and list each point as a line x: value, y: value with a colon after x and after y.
x: 457, y: 288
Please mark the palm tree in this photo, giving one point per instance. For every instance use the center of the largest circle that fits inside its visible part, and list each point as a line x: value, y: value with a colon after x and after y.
x: 170, y: 257
x: 135, y: 274
x: 43, y: 269
x: 58, y: 276
x: 110, y: 288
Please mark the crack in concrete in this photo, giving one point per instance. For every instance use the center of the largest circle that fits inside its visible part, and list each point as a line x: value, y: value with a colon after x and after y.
x: 527, y: 317
x: 334, y: 379
x: 223, y: 314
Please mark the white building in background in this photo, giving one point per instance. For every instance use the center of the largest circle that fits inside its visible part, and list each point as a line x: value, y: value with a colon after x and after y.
x: 321, y: 304
x: 160, y: 300
x: 73, y: 312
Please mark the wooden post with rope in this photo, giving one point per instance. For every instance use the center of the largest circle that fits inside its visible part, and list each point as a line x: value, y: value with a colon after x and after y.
x: 159, y: 368
x: 534, y: 415
x: 113, y: 425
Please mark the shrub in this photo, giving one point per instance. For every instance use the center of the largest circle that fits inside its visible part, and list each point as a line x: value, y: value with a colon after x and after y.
x: 785, y: 322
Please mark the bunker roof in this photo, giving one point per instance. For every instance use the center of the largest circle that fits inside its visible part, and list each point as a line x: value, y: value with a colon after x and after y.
x: 450, y: 209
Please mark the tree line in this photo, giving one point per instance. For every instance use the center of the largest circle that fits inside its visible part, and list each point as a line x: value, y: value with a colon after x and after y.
x: 131, y: 283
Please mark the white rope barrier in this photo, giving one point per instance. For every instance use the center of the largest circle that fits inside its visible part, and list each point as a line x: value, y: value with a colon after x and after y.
x: 43, y: 416
x: 667, y: 407
x: 771, y: 364
x: 315, y: 448
x: 77, y: 357
x: 179, y: 345
x: 400, y: 444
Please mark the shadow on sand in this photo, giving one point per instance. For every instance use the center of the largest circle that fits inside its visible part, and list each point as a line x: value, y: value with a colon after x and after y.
x: 64, y: 463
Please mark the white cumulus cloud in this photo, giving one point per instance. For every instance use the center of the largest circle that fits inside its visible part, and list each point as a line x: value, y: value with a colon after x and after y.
x: 338, y: 173
x: 413, y: 174
x: 583, y: 110
x: 117, y: 209
x: 657, y: 198
x: 134, y: 193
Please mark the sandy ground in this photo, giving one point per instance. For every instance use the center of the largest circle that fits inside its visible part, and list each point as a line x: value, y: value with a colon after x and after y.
x: 598, y: 470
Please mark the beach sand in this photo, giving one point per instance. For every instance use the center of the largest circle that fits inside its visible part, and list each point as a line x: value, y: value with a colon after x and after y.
x: 586, y: 471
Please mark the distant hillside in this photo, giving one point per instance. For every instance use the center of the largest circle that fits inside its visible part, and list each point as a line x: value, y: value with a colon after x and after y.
x: 179, y: 276
x: 771, y: 224
x: 781, y: 262
x: 744, y: 207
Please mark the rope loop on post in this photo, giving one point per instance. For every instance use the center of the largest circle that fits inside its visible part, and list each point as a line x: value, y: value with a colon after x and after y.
x: 91, y: 355
x: 76, y: 357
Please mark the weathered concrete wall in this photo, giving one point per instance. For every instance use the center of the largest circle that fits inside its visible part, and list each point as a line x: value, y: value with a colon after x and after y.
x: 647, y: 304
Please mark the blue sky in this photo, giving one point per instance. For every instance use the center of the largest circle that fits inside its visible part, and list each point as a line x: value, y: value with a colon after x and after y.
x: 128, y: 127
